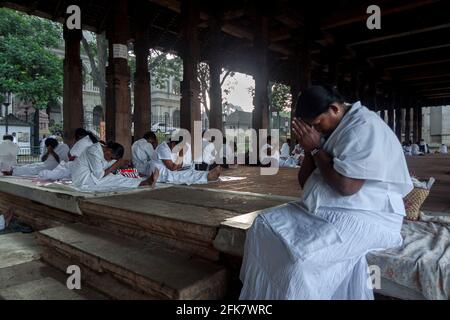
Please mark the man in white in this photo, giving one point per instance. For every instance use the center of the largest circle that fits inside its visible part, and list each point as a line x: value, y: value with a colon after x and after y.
x: 56, y: 153
x: 208, y: 155
x: 352, y: 204
x: 143, y: 152
x: 83, y: 140
x: 169, y: 168
x: 270, y: 153
x: 8, y: 154
x: 443, y: 149
x: 286, y: 160
x: 415, y: 150
x: 94, y: 170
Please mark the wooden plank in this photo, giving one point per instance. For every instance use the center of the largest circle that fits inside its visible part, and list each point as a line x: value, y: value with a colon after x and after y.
x: 239, y: 203
x: 159, y: 272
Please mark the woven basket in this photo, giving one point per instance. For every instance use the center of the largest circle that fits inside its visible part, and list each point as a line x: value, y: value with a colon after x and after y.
x: 414, y: 201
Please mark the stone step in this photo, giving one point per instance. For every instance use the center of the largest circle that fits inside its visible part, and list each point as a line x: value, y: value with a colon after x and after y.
x: 24, y: 277
x: 141, y: 269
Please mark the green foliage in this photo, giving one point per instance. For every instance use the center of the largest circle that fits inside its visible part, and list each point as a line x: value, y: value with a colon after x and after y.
x: 280, y: 98
x: 28, y: 67
x: 56, y: 129
x: 163, y: 67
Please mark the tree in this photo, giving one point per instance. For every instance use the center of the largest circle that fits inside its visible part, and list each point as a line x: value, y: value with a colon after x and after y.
x: 97, y: 52
x: 28, y: 67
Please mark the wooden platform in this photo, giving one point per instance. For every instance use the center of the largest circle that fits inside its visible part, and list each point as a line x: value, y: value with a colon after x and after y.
x: 185, y: 218
x: 285, y: 183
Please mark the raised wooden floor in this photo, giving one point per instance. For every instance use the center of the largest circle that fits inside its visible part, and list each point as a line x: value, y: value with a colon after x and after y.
x: 285, y: 183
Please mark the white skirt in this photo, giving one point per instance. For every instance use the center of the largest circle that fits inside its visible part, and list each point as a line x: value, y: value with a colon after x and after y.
x: 290, y: 254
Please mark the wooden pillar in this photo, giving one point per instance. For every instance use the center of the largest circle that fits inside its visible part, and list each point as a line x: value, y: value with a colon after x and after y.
x: 142, y: 89
x: 398, y: 121
x: 73, y: 85
x: 215, y: 68
x: 416, y: 124
x: 390, y: 112
x: 407, y: 123
x: 419, y: 123
x: 261, y: 76
x: 383, y: 114
x: 190, y: 87
x: 118, y: 99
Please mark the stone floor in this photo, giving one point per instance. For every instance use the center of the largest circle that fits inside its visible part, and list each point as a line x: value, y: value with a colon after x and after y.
x: 285, y: 182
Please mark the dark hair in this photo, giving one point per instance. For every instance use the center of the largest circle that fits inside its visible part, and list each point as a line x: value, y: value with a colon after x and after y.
x: 288, y: 141
x: 8, y: 137
x: 150, y: 135
x: 316, y: 100
x: 116, y: 149
x: 80, y: 133
x: 50, y: 142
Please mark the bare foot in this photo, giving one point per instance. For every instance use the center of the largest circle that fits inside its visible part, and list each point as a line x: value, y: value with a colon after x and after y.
x: 154, y: 177
x: 214, y: 174
x: 8, y: 216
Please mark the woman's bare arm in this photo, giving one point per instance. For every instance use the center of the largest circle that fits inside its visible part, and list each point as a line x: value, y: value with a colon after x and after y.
x: 344, y: 185
x: 308, y: 167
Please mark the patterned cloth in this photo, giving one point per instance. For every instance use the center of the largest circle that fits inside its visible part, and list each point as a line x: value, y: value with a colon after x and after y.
x: 423, y: 262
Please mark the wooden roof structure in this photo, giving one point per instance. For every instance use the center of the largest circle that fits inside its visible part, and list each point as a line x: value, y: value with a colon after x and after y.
x: 410, y: 53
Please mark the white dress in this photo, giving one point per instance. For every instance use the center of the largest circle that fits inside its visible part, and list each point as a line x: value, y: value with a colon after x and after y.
x: 142, y: 154
x: 443, y: 149
x: 88, y: 173
x: 31, y: 170
x: 273, y: 158
x: 62, y: 171
x: 316, y: 248
x: 187, y: 176
x: 286, y: 160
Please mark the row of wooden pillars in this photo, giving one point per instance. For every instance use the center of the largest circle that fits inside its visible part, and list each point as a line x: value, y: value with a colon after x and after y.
x: 118, y: 96
x: 406, y: 128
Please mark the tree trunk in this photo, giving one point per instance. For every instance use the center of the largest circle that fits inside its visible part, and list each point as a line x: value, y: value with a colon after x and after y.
x: 36, y: 128
x: 98, y: 69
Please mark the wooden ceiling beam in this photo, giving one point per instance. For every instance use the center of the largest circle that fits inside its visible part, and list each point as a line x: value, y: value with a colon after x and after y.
x: 359, y: 14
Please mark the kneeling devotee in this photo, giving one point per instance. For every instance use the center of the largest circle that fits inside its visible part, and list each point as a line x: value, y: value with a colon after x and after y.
x: 83, y: 140
x: 354, y: 178
x: 94, y: 170
x: 143, y: 152
x: 169, y: 167
x: 56, y: 153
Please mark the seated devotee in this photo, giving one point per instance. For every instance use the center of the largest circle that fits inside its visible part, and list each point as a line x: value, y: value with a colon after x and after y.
x: 407, y: 148
x: 169, y: 167
x: 443, y: 149
x: 83, y: 140
x: 143, y: 152
x: 286, y: 160
x: 207, y: 159
x: 354, y: 178
x: 423, y: 146
x: 8, y: 154
x: 270, y: 154
x: 415, y: 150
x: 94, y: 170
x: 56, y: 153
